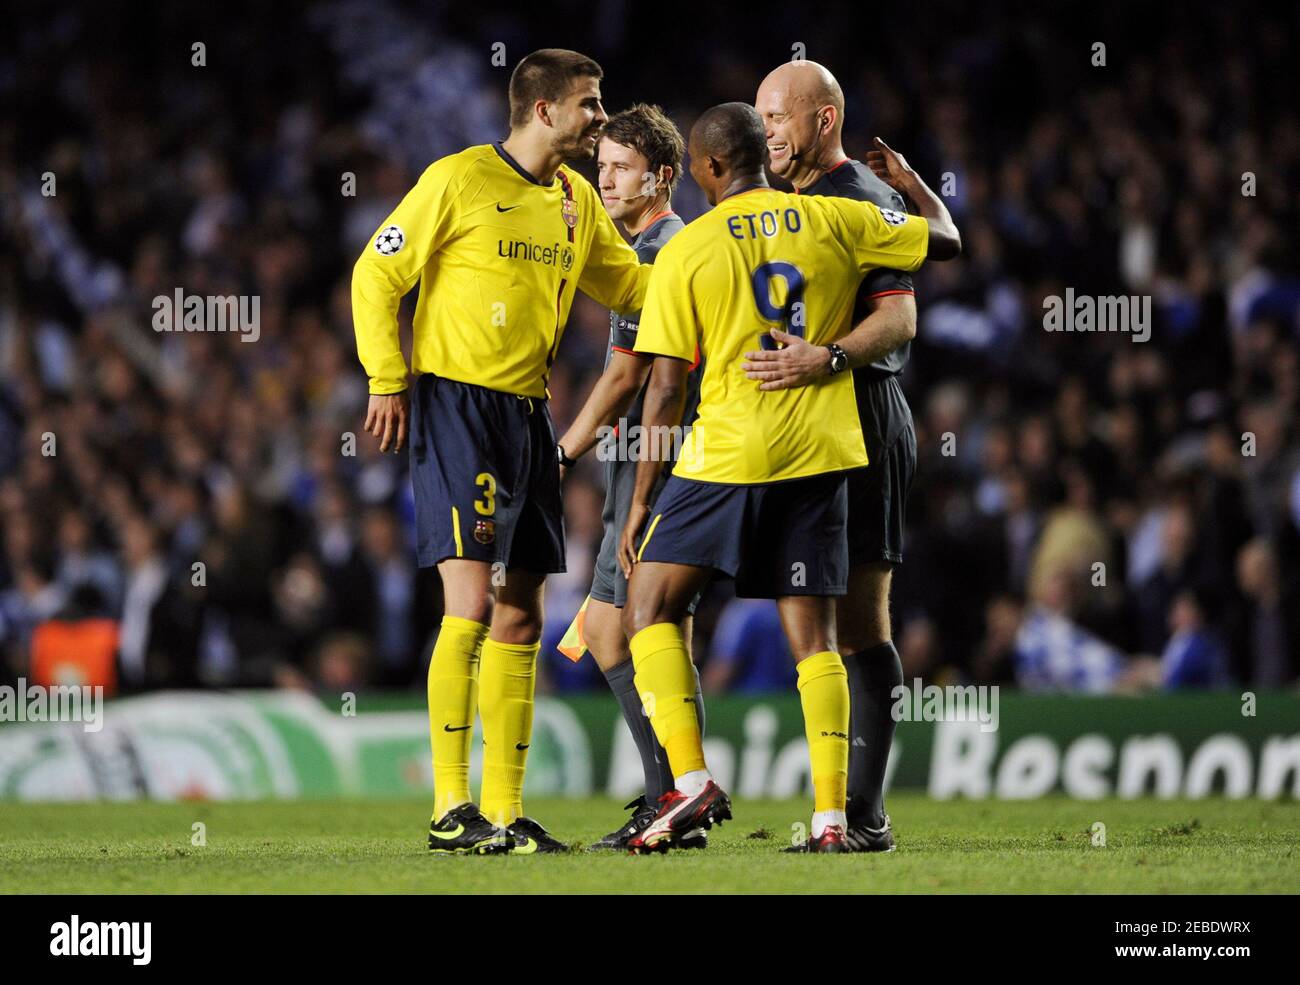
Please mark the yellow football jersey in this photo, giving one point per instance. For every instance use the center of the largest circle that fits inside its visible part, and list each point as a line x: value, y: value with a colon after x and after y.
x: 498, y: 257
x: 763, y: 259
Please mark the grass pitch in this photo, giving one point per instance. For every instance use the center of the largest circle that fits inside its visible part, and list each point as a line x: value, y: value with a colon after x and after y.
x: 1044, y: 846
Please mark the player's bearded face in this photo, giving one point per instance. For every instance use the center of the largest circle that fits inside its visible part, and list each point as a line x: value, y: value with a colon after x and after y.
x: 577, y: 120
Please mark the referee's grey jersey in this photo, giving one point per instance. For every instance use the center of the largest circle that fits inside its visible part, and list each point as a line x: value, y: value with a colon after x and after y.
x: 623, y: 328
x: 853, y: 179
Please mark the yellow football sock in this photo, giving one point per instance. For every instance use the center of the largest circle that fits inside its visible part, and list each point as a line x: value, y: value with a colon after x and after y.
x: 665, y: 680
x: 505, y: 704
x: 824, y: 694
x: 453, y: 694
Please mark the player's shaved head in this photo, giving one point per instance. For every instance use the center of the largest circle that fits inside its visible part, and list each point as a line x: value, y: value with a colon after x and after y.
x: 807, y: 82
x: 732, y: 134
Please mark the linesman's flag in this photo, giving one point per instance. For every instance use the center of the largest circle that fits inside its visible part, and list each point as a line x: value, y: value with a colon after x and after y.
x: 572, y: 645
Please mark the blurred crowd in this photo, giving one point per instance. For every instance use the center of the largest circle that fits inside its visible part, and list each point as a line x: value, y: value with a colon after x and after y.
x: 1090, y: 512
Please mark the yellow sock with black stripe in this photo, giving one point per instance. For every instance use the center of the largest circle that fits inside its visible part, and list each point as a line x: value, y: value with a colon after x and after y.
x: 665, y: 681
x: 453, y: 695
x: 507, y: 677
x: 824, y: 694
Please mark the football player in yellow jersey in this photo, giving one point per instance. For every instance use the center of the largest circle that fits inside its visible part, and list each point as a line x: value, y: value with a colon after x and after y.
x: 759, y: 490
x: 499, y: 238
x: 802, y: 106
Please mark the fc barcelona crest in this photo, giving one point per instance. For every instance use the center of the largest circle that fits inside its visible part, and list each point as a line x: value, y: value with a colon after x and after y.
x: 569, y: 210
x: 485, y: 531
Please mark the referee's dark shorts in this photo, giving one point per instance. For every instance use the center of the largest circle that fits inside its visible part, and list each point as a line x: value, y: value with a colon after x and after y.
x: 878, y: 493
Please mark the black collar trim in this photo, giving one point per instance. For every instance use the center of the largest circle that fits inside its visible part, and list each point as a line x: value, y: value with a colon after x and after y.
x: 505, y: 156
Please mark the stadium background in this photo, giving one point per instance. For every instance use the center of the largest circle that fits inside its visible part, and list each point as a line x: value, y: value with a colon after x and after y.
x: 1069, y: 449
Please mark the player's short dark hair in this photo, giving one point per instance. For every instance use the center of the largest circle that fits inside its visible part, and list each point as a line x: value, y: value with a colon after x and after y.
x: 734, y: 134
x: 546, y: 74
x: 649, y: 132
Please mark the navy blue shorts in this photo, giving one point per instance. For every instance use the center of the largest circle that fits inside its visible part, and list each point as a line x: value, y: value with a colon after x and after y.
x: 778, y: 539
x: 486, y: 477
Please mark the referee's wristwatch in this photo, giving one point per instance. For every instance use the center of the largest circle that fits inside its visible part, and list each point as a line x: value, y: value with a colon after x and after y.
x: 839, y: 359
x: 564, y: 459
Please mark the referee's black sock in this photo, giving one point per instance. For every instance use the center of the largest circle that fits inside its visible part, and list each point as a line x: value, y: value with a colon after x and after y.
x: 654, y: 761
x: 873, y: 675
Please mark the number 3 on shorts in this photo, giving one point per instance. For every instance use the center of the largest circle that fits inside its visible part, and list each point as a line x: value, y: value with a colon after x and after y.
x: 488, y: 504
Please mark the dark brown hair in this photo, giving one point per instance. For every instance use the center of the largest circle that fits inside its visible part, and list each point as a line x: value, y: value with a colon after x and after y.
x: 649, y: 132
x: 546, y: 74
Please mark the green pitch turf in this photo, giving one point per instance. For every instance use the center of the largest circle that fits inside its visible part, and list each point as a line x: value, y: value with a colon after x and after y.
x: 1045, y: 846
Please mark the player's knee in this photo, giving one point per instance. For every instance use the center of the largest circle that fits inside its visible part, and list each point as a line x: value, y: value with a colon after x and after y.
x: 512, y: 625
x: 809, y: 646
x: 634, y: 619
x: 603, y: 633
x: 475, y: 606
x: 808, y: 639
x: 863, y: 616
x: 864, y: 636
x: 638, y: 614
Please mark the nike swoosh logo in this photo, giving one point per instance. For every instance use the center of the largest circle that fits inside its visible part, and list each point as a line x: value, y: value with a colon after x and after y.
x: 448, y: 835
x: 521, y: 748
x: 507, y: 208
x: 459, y: 728
x: 529, y: 847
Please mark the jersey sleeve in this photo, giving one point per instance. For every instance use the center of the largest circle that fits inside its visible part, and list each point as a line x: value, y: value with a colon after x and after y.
x: 885, y: 280
x: 612, y: 275
x: 622, y: 332
x: 668, y: 324
x: 391, y: 263
x: 884, y: 237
